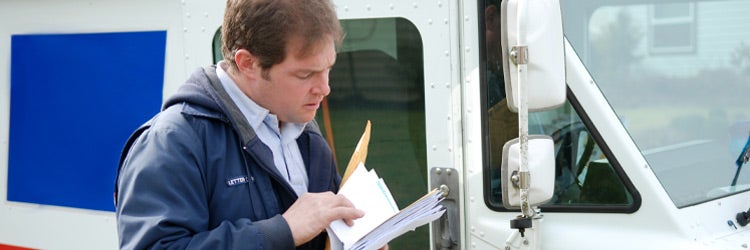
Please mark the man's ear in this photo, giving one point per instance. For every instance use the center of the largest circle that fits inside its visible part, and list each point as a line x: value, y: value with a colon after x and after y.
x: 246, y: 62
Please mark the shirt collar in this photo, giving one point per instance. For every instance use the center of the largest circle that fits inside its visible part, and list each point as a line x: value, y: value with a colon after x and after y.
x: 254, y: 113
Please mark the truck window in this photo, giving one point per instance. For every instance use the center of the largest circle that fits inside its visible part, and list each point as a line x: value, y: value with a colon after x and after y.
x: 675, y: 73
x: 585, y: 177
x: 379, y: 76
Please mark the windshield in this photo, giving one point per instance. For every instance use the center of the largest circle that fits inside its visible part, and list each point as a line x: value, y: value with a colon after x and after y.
x: 678, y: 76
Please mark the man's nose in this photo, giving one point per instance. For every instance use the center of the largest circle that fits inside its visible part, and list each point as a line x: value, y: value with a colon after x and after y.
x: 322, y: 86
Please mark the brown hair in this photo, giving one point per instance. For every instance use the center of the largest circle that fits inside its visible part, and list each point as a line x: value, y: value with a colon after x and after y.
x: 264, y: 27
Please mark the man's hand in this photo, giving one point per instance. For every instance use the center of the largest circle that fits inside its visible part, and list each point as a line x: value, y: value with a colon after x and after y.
x: 313, y: 212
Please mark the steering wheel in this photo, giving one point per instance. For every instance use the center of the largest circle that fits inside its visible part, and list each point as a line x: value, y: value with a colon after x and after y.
x: 568, y: 143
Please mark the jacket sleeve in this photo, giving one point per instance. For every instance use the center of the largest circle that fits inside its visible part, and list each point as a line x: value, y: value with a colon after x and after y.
x: 163, y: 202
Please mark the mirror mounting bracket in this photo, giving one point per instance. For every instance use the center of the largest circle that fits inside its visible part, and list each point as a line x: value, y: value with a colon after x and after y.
x: 519, y: 55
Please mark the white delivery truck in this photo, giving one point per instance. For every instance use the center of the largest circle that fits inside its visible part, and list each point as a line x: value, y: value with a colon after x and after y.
x: 635, y: 135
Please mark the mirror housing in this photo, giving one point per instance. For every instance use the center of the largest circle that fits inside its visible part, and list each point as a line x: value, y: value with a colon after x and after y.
x: 545, y: 55
x: 541, y: 159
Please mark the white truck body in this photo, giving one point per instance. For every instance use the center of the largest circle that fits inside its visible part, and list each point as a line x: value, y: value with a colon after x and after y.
x: 659, y: 88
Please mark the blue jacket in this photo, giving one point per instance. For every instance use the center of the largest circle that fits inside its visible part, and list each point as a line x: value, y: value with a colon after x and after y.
x: 196, y: 176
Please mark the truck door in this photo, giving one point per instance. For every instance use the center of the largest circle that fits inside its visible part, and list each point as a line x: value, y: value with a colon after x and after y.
x: 588, y: 178
x: 379, y: 76
x: 394, y: 69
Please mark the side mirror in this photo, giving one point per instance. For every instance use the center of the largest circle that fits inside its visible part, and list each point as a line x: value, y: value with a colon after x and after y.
x: 544, y: 52
x: 541, y: 166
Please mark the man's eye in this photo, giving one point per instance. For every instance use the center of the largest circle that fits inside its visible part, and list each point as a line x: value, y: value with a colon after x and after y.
x: 305, y: 76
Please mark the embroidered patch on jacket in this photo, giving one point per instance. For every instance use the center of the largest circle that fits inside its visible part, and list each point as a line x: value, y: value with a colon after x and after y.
x: 234, y: 181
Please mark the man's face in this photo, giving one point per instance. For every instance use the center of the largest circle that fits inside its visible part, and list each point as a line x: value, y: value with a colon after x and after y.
x: 296, y: 86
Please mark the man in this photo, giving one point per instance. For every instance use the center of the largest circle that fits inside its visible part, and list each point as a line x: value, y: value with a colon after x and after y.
x: 234, y: 160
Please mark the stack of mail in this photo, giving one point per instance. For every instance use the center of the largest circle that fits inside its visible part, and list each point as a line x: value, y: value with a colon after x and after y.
x: 382, y: 221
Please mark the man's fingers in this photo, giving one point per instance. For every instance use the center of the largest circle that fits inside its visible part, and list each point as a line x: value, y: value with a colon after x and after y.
x: 347, y: 214
x: 350, y: 221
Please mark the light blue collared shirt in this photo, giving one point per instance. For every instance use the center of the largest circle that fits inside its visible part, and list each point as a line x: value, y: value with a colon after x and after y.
x: 282, y: 142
